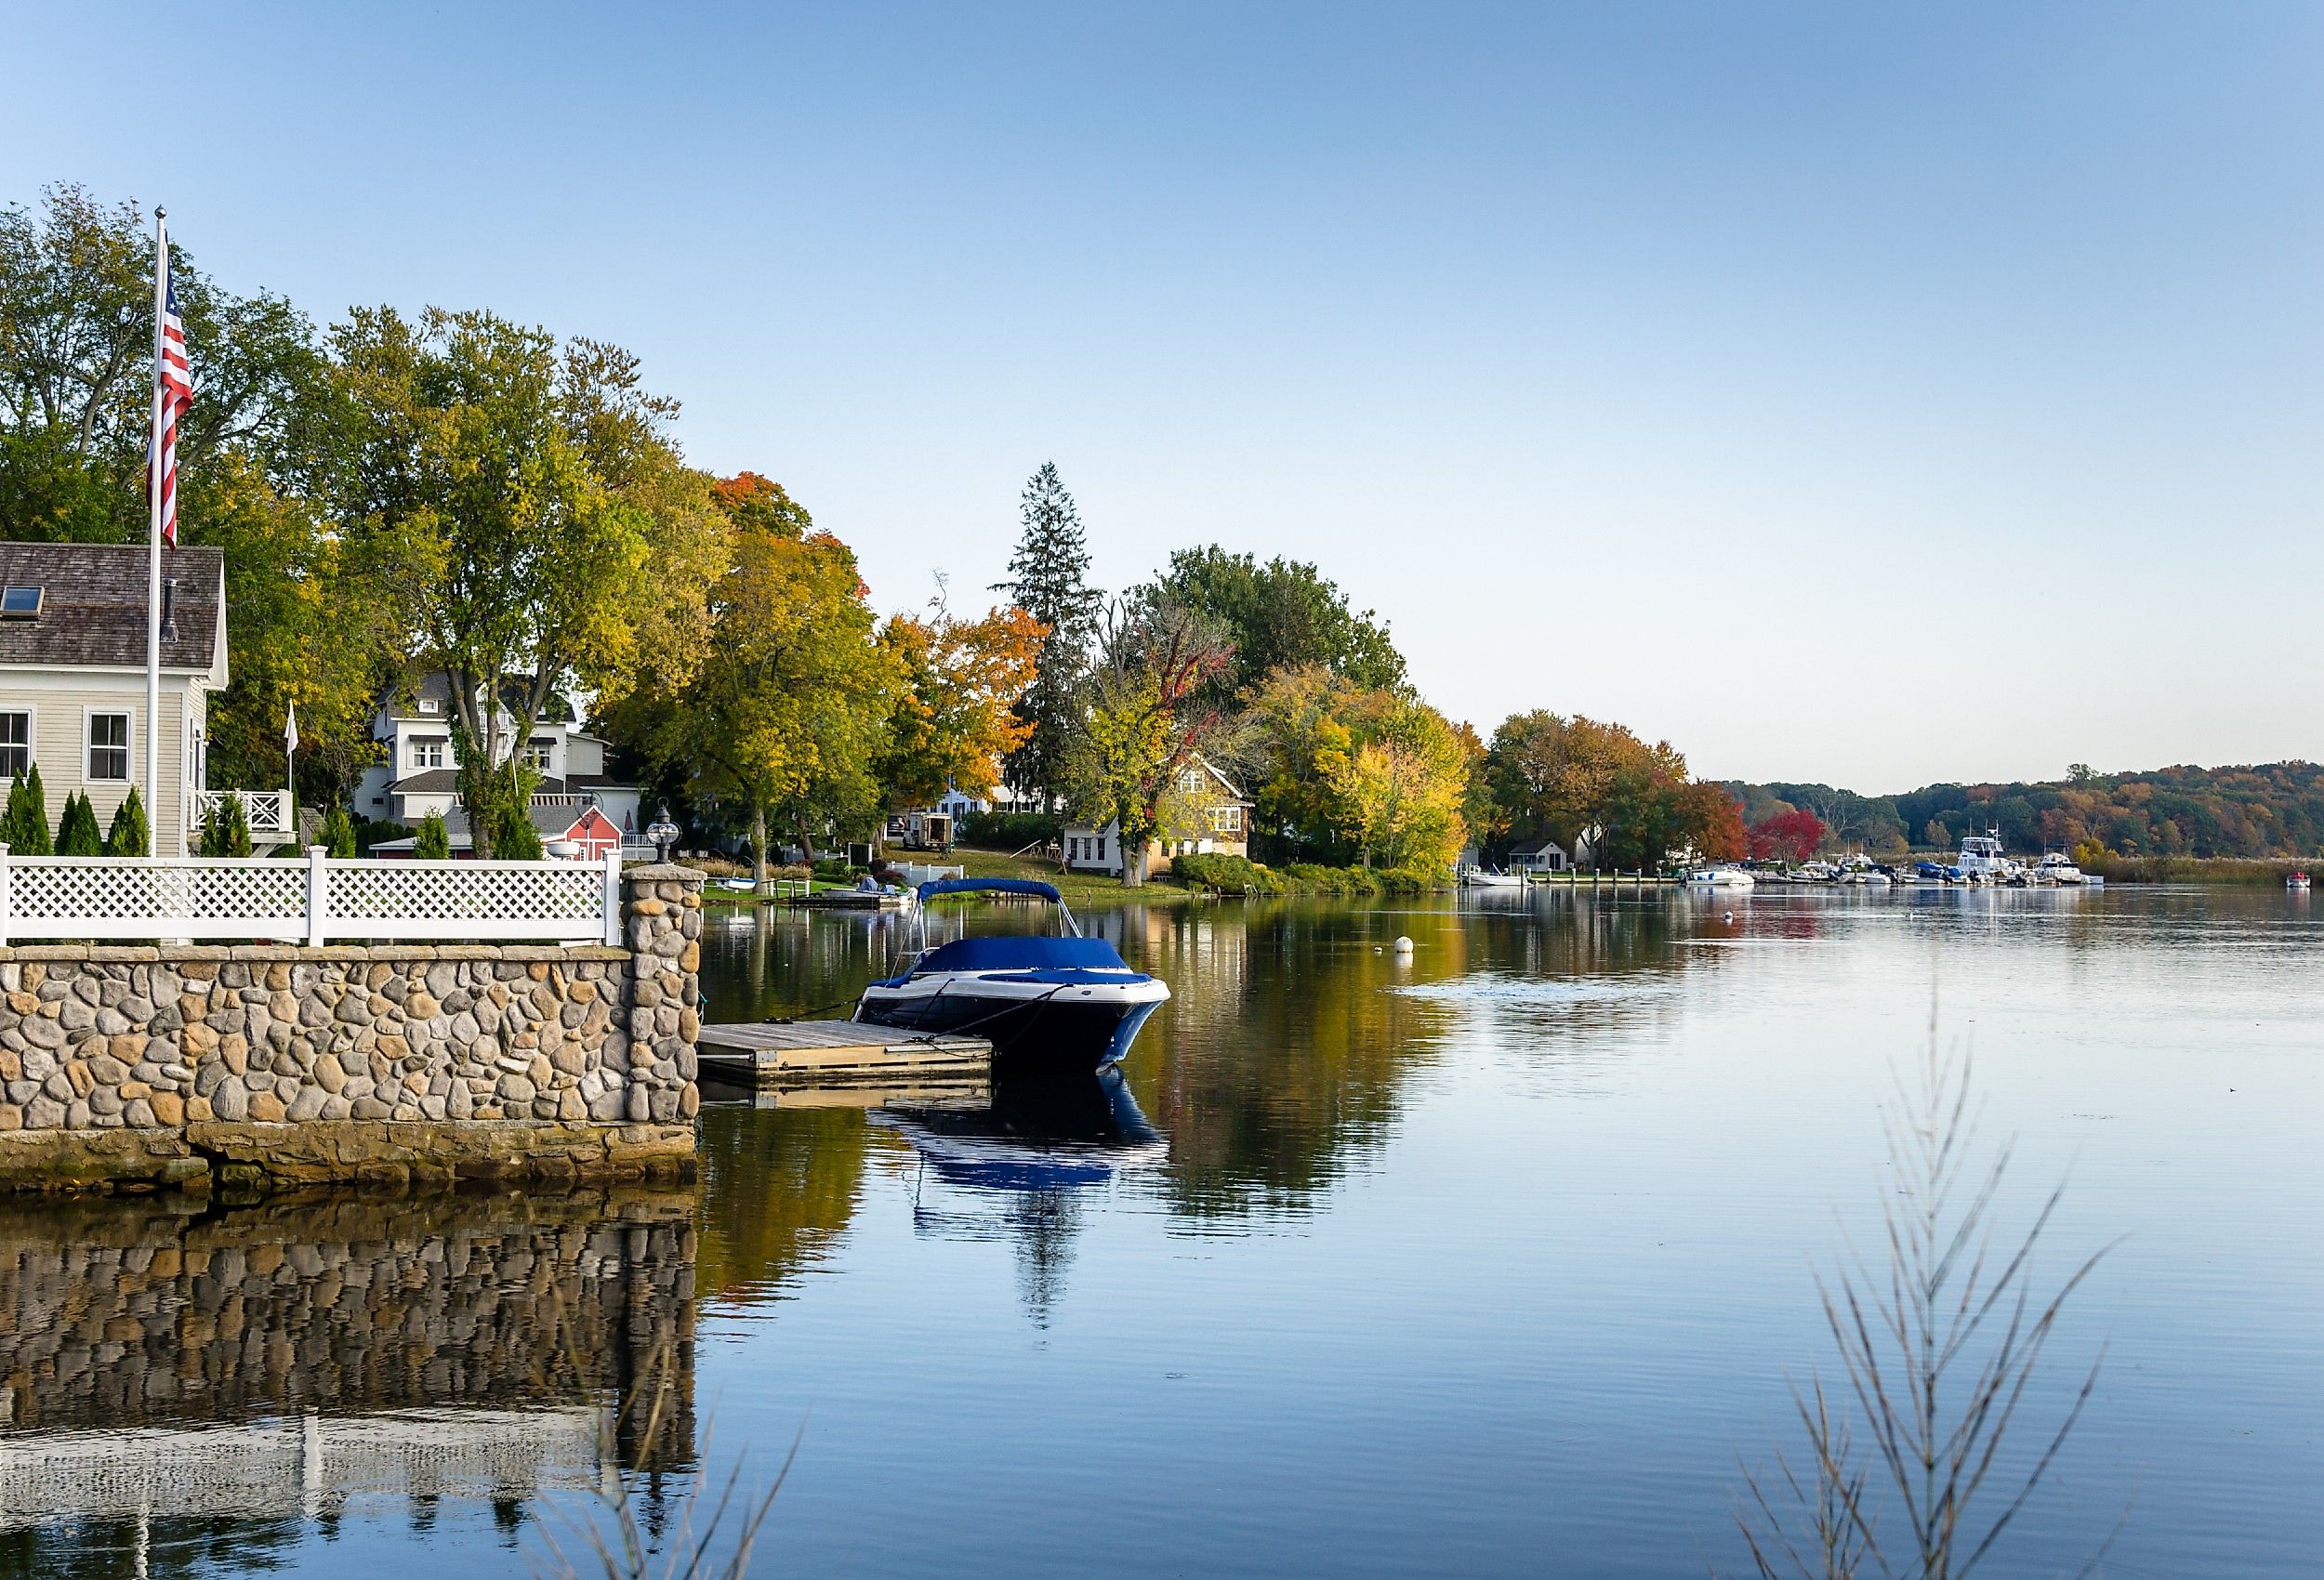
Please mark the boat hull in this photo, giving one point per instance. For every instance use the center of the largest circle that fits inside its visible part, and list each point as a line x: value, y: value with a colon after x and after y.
x: 1077, y: 1028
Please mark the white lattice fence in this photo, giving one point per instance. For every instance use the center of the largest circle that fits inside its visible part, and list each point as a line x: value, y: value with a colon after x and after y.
x: 313, y: 899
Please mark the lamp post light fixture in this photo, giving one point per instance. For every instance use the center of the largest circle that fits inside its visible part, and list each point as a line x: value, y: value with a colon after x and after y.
x: 663, y: 833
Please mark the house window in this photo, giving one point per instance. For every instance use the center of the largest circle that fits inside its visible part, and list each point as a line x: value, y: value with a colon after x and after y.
x: 1190, y: 782
x: 428, y: 754
x: 108, y: 746
x: 15, y: 743
x: 1226, y: 820
x: 537, y: 756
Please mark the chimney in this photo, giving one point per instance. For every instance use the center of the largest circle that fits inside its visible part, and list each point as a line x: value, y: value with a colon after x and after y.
x: 169, y: 610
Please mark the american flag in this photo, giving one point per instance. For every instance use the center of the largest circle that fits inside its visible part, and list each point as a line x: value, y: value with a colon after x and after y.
x: 173, y: 382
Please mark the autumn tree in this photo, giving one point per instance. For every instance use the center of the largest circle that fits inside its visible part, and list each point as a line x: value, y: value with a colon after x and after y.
x: 536, y: 529
x: 1342, y: 773
x: 1557, y: 777
x: 1402, y: 787
x: 956, y: 719
x: 1049, y: 578
x: 1791, y: 835
x: 787, y: 715
x: 1145, y: 721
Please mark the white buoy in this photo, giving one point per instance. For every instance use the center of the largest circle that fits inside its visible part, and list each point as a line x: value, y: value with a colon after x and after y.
x: 1404, y: 946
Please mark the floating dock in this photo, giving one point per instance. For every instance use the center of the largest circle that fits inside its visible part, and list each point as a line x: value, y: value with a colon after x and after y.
x: 850, y: 900
x: 804, y: 1055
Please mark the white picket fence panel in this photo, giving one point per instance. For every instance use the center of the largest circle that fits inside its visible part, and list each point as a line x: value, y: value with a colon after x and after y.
x: 309, y: 899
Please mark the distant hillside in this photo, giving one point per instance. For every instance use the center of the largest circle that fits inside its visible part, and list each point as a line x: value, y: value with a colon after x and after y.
x: 2269, y: 809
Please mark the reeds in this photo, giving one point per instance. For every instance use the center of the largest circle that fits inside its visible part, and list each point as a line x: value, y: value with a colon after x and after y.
x: 614, y: 1541
x: 1940, y: 1348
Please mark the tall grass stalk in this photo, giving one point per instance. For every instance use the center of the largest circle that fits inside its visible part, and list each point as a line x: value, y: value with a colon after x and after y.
x: 614, y: 1542
x: 1940, y: 1347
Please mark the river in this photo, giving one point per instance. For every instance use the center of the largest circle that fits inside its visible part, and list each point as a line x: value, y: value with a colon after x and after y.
x: 1497, y: 1260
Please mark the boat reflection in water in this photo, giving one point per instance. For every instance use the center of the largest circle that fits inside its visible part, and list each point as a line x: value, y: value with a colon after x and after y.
x: 1039, y: 1136
x: 1021, y: 1170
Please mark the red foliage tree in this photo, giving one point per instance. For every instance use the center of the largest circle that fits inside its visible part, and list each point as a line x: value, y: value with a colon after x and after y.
x: 1787, y: 837
x: 1713, y: 821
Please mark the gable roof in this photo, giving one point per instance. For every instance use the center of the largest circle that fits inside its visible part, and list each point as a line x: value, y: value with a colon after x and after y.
x: 1223, y: 779
x: 93, y: 605
x: 434, y: 685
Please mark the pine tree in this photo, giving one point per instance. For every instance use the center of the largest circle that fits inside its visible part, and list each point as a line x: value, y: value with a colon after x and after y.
x: 76, y: 831
x: 1049, y: 577
x: 128, y: 836
x: 514, y: 837
x: 433, y: 842
x: 28, y: 816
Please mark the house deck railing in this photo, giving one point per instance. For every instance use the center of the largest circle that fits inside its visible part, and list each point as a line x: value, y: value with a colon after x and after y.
x: 270, y: 813
x: 313, y: 899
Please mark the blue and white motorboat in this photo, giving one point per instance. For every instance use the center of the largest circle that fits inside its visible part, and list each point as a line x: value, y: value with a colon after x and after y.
x: 1058, y: 999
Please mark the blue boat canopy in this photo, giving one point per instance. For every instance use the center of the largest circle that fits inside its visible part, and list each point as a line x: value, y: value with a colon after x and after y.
x: 991, y: 886
x: 1015, y: 951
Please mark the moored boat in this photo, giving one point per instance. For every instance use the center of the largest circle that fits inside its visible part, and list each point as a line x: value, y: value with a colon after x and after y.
x: 1719, y: 877
x: 2297, y: 883
x: 1479, y: 878
x: 1059, y: 998
x: 2057, y: 866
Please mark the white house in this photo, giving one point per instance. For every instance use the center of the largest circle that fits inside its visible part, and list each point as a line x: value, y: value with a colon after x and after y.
x: 1204, y: 813
x: 415, y: 725
x: 73, y: 650
x: 1538, y: 856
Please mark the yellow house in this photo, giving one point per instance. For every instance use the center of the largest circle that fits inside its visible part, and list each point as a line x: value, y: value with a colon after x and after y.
x: 1203, y: 813
x: 73, y: 641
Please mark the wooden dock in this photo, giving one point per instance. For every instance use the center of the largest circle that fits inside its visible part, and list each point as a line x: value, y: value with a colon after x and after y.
x: 828, y: 1054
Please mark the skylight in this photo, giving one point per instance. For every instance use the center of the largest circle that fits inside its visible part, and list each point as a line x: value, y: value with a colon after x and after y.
x: 19, y: 603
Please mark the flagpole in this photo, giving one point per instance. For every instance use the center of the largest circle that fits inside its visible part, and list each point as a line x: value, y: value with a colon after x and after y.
x: 153, y: 560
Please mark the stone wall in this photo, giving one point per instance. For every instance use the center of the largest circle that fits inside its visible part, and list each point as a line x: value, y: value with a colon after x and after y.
x: 393, y: 1058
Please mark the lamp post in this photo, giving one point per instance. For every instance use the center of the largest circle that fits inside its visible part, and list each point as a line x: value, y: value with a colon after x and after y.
x: 663, y: 833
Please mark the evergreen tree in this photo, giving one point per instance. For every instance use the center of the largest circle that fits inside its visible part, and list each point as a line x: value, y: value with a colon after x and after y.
x: 433, y: 842
x: 339, y: 833
x: 76, y: 831
x: 27, y: 820
x: 128, y: 836
x: 225, y: 831
x: 1049, y: 577
x: 514, y: 837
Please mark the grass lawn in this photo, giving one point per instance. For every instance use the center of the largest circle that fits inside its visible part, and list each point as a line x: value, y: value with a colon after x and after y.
x: 1077, y: 887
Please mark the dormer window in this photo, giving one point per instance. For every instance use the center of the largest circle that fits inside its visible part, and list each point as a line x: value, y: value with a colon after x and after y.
x: 430, y: 704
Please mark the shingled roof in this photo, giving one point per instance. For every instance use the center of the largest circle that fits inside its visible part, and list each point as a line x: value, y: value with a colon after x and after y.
x: 93, y: 604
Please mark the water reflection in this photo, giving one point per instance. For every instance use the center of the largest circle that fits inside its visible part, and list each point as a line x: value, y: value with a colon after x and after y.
x: 223, y: 1370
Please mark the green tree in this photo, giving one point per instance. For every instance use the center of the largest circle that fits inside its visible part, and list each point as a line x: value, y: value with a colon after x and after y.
x: 26, y: 823
x: 1402, y: 784
x: 128, y: 836
x: 786, y: 718
x: 1049, y: 578
x: 535, y: 528
x: 339, y: 833
x: 516, y: 839
x: 77, y: 832
x: 433, y: 841
x: 1145, y: 721
x: 1282, y: 615
x: 225, y: 831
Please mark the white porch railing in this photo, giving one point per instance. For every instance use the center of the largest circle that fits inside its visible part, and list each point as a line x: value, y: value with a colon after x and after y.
x: 309, y: 899
x: 268, y: 812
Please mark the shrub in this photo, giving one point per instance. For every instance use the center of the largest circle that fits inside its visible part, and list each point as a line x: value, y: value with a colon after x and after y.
x: 77, y: 833
x: 514, y: 837
x: 433, y: 843
x: 225, y: 831
x: 378, y: 831
x: 339, y: 833
x: 1229, y: 875
x: 25, y: 825
x: 1234, y: 874
x: 1008, y: 831
x: 128, y: 836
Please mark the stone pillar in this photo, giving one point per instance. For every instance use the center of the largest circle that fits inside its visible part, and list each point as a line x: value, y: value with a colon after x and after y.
x: 662, y: 922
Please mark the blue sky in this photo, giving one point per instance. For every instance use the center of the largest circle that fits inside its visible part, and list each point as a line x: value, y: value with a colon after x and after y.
x: 1850, y: 393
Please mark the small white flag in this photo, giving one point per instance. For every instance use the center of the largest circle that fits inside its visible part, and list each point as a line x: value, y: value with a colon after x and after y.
x: 290, y: 728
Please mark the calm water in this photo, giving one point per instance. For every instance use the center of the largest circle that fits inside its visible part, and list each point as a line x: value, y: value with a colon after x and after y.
x: 1492, y: 1263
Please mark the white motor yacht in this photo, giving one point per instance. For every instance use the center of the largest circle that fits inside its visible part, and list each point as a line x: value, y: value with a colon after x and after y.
x: 2057, y: 866
x: 1719, y: 877
x: 1983, y: 860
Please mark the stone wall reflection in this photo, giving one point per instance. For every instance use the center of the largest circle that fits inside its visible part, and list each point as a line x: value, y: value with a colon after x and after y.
x: 128, y: 1314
